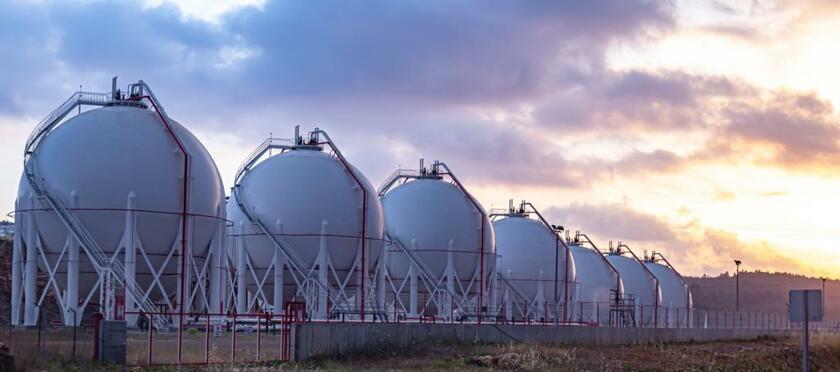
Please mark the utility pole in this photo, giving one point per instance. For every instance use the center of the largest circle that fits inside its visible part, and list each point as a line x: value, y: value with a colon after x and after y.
x: 823, y: 294
x: 737, y: 286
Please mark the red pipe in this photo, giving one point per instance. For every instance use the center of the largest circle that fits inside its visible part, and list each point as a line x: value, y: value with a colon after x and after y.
x: 184, y: 213
x: 617, y: 275
x: 656, y: 287
x: 207, y: 340
x: 481, y: 248
x: 566, y: 269
x: 151, y: 332
x: 364, y: 215
x: 687, y: 290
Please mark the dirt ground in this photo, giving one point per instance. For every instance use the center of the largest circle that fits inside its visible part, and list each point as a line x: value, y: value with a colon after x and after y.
x: 766, y: 354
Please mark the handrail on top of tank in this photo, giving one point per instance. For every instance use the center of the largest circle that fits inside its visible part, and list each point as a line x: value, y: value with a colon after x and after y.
x: 48, y: 123
x: 685, y: 282
x: 480, y: 210
x: 618, y: 290
x: 394, y: 177
x: 257, y: 153
x: 655, y: 281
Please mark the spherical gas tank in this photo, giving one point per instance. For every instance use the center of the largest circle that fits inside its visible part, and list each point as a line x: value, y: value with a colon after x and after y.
x: 433, y: 217
x: 639, y: 283
x: 106, y: 160
x: 673, y: 289
x: 308, y: 198
x: 596, y: 281
x: 530, y: 254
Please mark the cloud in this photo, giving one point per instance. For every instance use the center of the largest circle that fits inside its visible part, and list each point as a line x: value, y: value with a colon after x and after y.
x: 693, y: 248
x: 614, y: 221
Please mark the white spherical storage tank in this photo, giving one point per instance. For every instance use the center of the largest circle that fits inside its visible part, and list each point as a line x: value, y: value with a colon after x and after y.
x: 640, y: 284
x: 533, y: 262
x: 445, y: 230
x: 596, y: 285
x: 110, y: 181
x: 311, y: 201
x: 676, y: 297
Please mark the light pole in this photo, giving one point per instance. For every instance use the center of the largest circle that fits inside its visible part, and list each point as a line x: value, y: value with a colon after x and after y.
x: 737, y: 286
x: 823, y: 295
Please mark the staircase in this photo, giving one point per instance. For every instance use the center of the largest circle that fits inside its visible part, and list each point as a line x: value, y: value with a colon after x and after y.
x: 102, y: 263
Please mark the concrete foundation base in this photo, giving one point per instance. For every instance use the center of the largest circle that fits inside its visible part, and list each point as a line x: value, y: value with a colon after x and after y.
x: 332, y: 339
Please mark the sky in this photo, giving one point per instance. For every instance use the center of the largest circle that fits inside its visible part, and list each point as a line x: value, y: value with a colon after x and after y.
x: 705, y: 130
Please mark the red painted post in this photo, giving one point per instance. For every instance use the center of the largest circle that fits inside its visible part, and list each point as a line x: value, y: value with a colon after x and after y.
x: 207, y: 340
x: 233, y: 341
x: 96, y: 319
x: 151, y: 331
x: 259, y: 336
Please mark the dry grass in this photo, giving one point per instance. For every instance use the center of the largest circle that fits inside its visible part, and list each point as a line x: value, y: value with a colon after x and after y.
x: 766, y: 354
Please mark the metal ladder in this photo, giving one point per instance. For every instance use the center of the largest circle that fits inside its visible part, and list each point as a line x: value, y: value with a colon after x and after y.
x: 100, y: 260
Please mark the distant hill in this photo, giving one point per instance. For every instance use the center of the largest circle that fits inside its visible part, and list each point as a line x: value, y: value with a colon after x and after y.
x: 760, y: 291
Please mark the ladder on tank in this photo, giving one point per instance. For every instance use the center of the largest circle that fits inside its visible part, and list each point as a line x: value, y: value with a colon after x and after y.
x: 101, y: 262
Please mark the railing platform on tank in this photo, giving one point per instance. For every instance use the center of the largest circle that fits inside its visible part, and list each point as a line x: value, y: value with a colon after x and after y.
x: 394, y: 177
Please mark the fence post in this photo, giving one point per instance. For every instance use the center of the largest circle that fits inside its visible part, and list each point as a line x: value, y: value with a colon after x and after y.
x: 75, y: 322
x: 259, y: 336
x: 40, y: 324
x: 96, y: 319
x: 233, y: 341
x: 151, y: 331
x: 207, y: 339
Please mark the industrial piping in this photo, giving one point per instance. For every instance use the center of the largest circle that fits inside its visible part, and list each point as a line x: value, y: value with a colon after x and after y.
x: 687, y: 287
x: 364, y: 211
x: 655, y: 280
x: 483, y: 218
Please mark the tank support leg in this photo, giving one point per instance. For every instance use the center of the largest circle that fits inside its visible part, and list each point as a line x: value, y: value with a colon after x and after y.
x: 17, y: 275
x: 540, y: 299
x: 129, y: 244
x: 216, y: 268
x: 450, y: 279
x: 279, y: 263
x: 412, y: 299
x: 30, y: 315
x: 508, y: 301
x: 241, y: 292
x: 322, y: 273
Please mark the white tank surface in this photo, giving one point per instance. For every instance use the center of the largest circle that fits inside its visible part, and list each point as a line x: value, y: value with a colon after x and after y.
x: 432, y: 217
x: 676, y: 296
x: 533, y: 260
x: 444, y: 230
x: 639, y: 283
x: 596, y: 284
x: 310, y: 200
x: 120, y: 173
